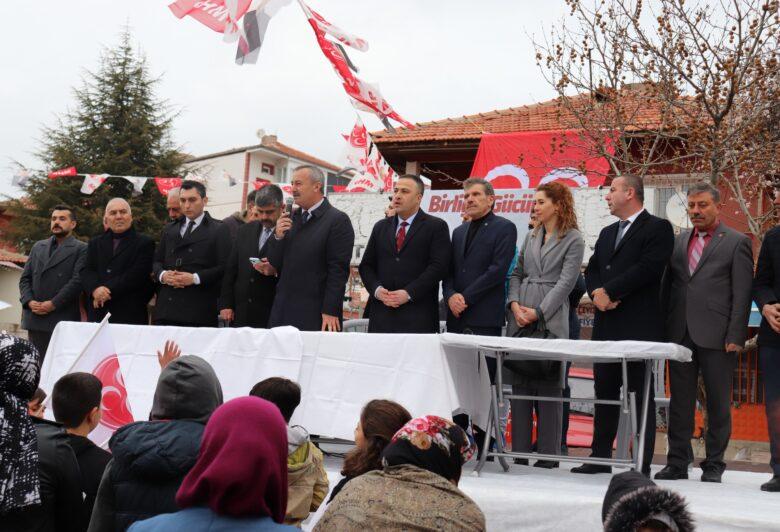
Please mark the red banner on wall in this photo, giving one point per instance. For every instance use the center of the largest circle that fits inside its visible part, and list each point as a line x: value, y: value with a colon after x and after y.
x: 529, y: 159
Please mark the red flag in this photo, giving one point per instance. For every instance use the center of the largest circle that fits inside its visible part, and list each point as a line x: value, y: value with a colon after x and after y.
x: 214, y: 14
x: 529, y: 159
x: 259, y: 183
x: 63, y: 172
x: 365, y: 94
x: 165, y: 184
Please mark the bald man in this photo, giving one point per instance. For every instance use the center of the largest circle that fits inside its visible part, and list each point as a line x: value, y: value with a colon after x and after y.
x: 172, y: 204
x: 119, y: 263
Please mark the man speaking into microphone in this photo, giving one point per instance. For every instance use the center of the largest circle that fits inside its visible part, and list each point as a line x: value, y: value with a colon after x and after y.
x: 311, y: 249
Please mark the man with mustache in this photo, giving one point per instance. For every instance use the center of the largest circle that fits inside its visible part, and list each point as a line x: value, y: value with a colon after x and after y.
x: 51, y: 281
x: 311, y: 250
x: 706, y: 296
x: 249, y: 285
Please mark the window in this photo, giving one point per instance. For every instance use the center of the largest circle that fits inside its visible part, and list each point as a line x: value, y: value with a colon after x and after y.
x: 266, y: 168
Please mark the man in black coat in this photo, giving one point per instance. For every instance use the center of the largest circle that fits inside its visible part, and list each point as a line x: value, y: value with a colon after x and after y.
x: 482, y: 250
x: 189, y: 263
x: 119, y: 263
x: 406, y: 257
x: 623, y: 278
x: 766, y: 294
x: 311, y: 250
x: 249, y: 285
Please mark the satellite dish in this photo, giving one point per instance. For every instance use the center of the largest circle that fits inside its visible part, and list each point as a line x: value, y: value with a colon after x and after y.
x: 260, y: 133
x: 677, y: 211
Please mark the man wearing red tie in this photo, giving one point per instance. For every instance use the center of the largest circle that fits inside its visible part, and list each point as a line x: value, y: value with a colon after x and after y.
x: 706, y: 296
x: 406, y: 258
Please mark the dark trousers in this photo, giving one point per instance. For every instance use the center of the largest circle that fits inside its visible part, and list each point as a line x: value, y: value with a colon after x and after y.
x: 607, y: 382
x: 175, y: 323
x: 462, y: 420
x: 717, y: 369
x: 548, y: 420
x: 40, y: 340
x: 769, y: 359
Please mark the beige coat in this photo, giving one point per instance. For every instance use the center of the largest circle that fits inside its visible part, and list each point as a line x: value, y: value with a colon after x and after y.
x: 400, y: 498
x: 307, y: 483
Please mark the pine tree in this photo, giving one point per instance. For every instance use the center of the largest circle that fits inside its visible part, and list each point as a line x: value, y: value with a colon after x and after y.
x: 118, y: 127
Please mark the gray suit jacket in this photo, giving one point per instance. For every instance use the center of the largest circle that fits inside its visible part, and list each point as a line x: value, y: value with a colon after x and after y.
x: 544, y: 277
x: 713, y: 303
x: 56, y: 278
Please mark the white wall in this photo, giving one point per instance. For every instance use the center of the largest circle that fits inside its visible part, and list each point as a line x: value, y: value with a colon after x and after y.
x: 10, y: 318
x: 223, y: 199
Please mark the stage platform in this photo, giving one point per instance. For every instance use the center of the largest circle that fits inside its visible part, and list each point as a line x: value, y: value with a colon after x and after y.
x: 530, y: 499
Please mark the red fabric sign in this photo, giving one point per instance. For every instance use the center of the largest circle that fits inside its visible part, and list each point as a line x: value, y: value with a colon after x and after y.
x: 165, y: 184
x: 64, y: 172
x: 529, y: 159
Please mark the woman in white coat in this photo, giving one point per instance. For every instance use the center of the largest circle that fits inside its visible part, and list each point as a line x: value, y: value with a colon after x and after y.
x: 538, y: 305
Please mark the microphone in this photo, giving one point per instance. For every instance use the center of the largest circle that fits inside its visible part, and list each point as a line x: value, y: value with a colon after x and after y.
x: 289, y: 205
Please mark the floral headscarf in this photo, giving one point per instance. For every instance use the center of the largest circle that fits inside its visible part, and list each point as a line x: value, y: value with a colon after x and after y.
x: 19, y: 375
x: 432, y: 443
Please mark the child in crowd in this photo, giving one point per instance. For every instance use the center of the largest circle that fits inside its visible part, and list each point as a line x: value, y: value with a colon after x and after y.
x: 306, y: 476
x: 35, y: 406
x: 75, y: 401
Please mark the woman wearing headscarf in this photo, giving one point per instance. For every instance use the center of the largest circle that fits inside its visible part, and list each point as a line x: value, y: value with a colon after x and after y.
x: 39, y: 476
x: 240, y: 479
x: 379, y: 420
x: 151, y: 458
x: 416, y: 490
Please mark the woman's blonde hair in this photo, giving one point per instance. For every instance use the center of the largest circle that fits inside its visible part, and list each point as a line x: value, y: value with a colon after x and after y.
x: 562, y: 198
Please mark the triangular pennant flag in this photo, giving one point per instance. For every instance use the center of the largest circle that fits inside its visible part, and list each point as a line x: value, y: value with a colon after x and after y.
x: 64, y: 172
x: 21, y: 177
x: 165, y: 184
x: 138, y: 183
x: 92, y: 182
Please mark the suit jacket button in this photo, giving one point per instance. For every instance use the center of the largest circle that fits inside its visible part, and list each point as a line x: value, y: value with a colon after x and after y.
x: 189, y: 249
x: 398, y: 259
x: 249, y: 299
x: 108, y: 271
x: 170, y: 299
x: 251, y: 280
x: 464, y: 270
x: 607, y: 266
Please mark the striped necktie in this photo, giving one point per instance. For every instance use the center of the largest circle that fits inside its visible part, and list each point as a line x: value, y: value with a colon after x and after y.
x: 696, y: 252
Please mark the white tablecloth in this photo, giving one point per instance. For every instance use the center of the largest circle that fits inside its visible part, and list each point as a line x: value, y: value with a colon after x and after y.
x: 584, y: 350
x: 338, y: 373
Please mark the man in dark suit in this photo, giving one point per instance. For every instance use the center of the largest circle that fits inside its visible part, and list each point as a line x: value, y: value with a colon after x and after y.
x: 482, y: 250
x: 766, y: 294
x: 623, y: 279
x: 249, y: 285
x: 189, y: 263
x: 706, y: 298
x: 51, y: 281
x: 311, y: 250
x: 119, y: 263
x: 406, y: 257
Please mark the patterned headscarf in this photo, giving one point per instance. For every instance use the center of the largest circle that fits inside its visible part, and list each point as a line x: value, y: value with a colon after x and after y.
x: 20, y: 372
x: 432, y: 443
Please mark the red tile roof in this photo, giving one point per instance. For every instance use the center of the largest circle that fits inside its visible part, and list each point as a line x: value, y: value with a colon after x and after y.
x: 9, y: 256
x: 544, y: 116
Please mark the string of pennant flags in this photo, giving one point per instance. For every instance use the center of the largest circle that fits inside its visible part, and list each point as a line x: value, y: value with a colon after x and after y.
x: 93, y: 181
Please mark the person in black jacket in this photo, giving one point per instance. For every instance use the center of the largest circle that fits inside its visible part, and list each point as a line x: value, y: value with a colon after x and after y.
x: 406, y: 257
x: 75, y: 401
x: 766, y: 294
x: 623, y: 278
x: 248, y: 288
x: 39, y: 476
x: 482, y: 250
x: 117, y: 274
x: 189, y: 263
x: 311, y: 250
x: 151, y: 458
x: 634, y: 503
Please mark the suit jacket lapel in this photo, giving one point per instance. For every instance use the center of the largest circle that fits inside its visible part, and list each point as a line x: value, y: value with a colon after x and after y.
x: 59, y: 254
x: 632, y: 230
x: 681, y: 251
x: 418, y: 221
x: 709, y: 249
x: 197, y: 234
x: 124, y: 245
x: 535, y: 243
x: 462, y: 244
x: 552, y: 242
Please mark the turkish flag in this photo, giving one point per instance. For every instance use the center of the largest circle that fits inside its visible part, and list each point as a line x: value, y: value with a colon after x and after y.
x: 530, y: 159
x: 165, y: 184
x: 63, y: 172
x: 214, y: 14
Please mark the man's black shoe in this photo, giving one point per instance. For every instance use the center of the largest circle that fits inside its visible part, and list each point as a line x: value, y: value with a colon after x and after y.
x: 671, y: 472
x: 711, y: 475
x: 591, y: 469
x: 772, y: 485
x: 521, y: 461
x: 546, y: 464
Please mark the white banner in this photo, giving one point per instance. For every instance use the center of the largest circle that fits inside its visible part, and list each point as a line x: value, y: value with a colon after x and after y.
x: 513, y: 204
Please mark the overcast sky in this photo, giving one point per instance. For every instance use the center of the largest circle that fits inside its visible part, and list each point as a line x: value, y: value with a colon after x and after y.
x: 431, y: 58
